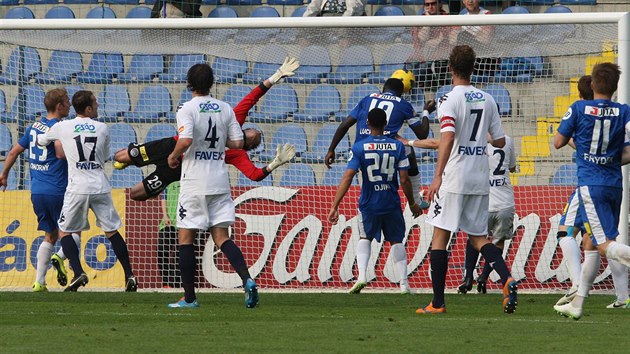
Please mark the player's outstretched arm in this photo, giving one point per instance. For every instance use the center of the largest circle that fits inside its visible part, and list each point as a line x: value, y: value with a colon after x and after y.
x: 344, y: 185
x: 284, y: 154
x: 12, y: 156
x: 560, y: 140
x: 288, y: 68
x: 341, y: 131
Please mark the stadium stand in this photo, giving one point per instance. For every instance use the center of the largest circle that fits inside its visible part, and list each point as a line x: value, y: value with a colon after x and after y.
x: 257, y: 35
x: 32, y: 102
x: 126, y: 178
x: 356, y: 63
x: 122, y: 134
x: 314, y: 65
x: 244, y: 2
x: 80, y: 2
x: 298, y: 174
x: 5, y: 116
x: 12, y: 179
x: 159, y: 131
x: 122, y: 2
x: 267, y: 62
x: 60, y: 12
x: 286, y: 134
x: 502, y: 96
x: 72, y: 89
x: 101, y: 12
x: 322, y: 103
x: 139, y: 12
x: 30, y: 56
x: 357, y: 94
x: 223, y: 12
x: 9, y: 2
x: 390, y: 34
x: 62, y: 67
x: 5, y: 140
x: 114, y: 102
x: 154, y: 103
x: 393, y: 59
x: 143, y: 68
x: 332, y: 176
x: 319, y: 149
x: 103, y: 68
x: 299, y: 12
x: 235, y: 94
x: 427, y: 170
x: 229, y: 70
x: 503, y: 33
x: 578, y: 2
x: 19, y: 13
x: 279, y: 103
x: 565, y: 175
x: 179, y: 66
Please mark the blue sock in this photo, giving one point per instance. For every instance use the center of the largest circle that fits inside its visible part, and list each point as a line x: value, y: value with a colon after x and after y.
x: 236, y: 259
x: 439, y: 266
x: 72, y: 252
x: 494, y: 258
x: 187, y: 267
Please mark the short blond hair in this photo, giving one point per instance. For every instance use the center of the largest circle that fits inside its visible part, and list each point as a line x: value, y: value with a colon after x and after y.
x: 55, y: 97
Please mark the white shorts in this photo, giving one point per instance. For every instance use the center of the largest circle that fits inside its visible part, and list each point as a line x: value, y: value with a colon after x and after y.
x: 501, y: 225
x: 465, y: 212
x: 74, y: 214
x: 205, y: 211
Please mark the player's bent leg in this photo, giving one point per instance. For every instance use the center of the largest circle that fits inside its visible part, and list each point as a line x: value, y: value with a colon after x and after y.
x: 138, y: 192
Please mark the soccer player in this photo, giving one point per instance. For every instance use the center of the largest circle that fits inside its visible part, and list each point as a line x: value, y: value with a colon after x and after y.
x: 398, y: 111
x: 379, y: 158
x: 85, y: 143
x: 460, y: 188
x: 600, y: 133
x: 501, y: 212
x: 156, y: 152
x: 49, y: 178
x: 206, y: 127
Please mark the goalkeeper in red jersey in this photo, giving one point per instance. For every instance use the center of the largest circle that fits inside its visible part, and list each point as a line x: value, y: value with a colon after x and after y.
x: 156, y: 152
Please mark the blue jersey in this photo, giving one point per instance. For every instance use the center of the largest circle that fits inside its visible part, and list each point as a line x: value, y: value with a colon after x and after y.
x: 49, y: 175
x: 398, y: 111
x: 378, y: 158
x: 598, y: 128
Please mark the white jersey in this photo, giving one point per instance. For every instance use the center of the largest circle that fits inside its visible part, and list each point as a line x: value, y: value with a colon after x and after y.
x: 469, y: 113
x: 86, y: 146
x: 501, y: 161
x: 210, y: 123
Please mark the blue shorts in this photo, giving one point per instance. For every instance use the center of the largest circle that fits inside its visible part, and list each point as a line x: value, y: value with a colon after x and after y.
x: 600, y: 207
x: 391, y: 224
x: 570, y: 215
x: 47, y: 208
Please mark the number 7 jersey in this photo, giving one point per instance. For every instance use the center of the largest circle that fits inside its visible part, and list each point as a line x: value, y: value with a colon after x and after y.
x: 86, y: 146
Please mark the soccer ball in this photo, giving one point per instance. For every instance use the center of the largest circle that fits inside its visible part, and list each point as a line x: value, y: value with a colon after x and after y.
x: 406, y: 76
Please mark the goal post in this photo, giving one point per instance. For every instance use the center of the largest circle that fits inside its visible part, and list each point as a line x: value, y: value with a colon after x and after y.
x: 136, y: 68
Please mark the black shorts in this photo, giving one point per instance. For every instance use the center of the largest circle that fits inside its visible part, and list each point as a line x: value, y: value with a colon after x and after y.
x: 157, y: 181
x: 151, y: 153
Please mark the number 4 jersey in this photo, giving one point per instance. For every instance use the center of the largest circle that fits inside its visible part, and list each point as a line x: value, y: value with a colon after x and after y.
x: 378, y: 158
x: 471, y: 114
x: 599, y: 129
x: 86, y: 146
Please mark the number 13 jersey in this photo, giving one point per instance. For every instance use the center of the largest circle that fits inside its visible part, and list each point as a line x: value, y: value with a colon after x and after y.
x: 471, y: 114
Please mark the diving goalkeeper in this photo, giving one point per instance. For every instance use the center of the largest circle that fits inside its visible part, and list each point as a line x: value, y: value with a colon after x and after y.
x: 156, y: 152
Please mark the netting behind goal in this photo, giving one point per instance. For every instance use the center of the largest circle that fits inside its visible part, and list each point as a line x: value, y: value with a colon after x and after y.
x: 139, y: 77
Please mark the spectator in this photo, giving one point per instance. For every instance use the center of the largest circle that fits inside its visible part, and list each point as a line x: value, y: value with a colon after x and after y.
x: 345, y: 7
x: 431, y: 49
x: 478, y: 37
x: 176, y: 9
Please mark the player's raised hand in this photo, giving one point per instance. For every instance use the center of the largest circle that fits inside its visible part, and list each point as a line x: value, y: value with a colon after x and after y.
x: 284, y: 154
x: 288, y: 68
x: 333, y: 216
x: 429, y: 106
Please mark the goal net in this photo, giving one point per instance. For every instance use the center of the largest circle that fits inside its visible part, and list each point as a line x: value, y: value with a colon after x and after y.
x: 137, y: 70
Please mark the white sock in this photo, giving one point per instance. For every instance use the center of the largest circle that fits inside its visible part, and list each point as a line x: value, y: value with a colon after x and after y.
x: 589, y: 272
x: 77, y: 239
x: 399, y: 255
x: 619, y: 252
x: 364, y: 249
x: 620, y: 279
x: 415, y: 187
x: 572, y: 256
x: 44, y: 252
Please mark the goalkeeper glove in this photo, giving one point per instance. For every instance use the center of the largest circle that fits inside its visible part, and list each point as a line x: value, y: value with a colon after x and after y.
x: 284, y: 154
x: 288, y: 68
x: 429, y: 107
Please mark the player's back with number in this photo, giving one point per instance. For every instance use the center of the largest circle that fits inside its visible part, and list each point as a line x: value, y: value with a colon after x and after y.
x: 471, y: 113
x: 598, y: 128
x: 49, y: 175
x: 379, y: 159
x: 209, y: 122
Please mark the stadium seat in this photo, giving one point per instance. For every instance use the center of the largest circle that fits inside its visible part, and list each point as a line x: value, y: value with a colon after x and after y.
x: 278, y: 104
x: 40, y: 2
x: 416, y: 98
x: 72, y: 89
x: 80, y: 2
x: 209, y: 2
x: 507, y: 33
x: 5, y: 139
x: 139, y: 12
x: 565, y: 175
x: 159, y: 131
x: 101, y: 12
x: 332, y: 176
x: 179, y: 66
x: 9, y: 2
x: 19, y: 13
x: 103, y: 68
x: 555, y: 33
x: 62, y: 66
x: 223, y: 12
x: 143, y: 68
x: 314, y: 66
x: 298, y: 174
x: 259, y: 35
x: 502, y: 97
x: 31, y: 103
x: 386, y: 34
x: 122, y: 2
x: 228, y: 70
x: 221, y: 35
x: 59, y: 12
x: 322, y: 103
x: 126, y: 178
x: 154, y: 103
x: 427, y: 170
x: 32, y: 65
x: 12, y: 179
x: 394, y: 58
x: 357, y: 94
x: 184, y: 96
x: 5, y: 116
x: 122, y: 134
x: 268, y: 61
x: 244, y: 2
x: 243, y: 181
x: 578, y: 2
x: 523, y: 65
x: 235, y: 94
x: 318, y: 151
x: 285, y: 2
x: 299, y: 12
x: 356, y: 63
x: 113, y: 103
x: 288, y: 133
x: 558, y: 9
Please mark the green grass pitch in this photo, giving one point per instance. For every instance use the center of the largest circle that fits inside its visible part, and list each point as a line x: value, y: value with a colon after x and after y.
x: 86, y: 322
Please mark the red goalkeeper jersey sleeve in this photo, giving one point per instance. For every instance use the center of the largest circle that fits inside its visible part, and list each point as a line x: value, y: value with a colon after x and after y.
x: 239, y: 159
x: 243, y: 107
